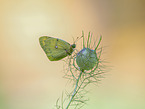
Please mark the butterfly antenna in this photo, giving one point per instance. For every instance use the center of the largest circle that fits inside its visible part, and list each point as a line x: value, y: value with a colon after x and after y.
x: 77, y: 39
x: 73, y: 39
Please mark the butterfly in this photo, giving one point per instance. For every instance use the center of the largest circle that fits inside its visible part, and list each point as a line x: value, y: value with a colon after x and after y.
x: 56, y: 49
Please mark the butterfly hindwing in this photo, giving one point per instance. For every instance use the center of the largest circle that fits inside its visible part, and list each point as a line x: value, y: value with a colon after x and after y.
x: 55, y: 48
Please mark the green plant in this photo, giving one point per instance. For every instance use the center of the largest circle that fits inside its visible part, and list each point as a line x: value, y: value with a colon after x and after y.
x: 84, y: 68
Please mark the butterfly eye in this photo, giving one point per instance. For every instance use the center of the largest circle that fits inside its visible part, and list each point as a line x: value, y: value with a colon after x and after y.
x: 73, y: 45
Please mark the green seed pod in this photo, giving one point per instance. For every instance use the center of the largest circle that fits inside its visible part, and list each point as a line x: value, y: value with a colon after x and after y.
x: 86, y: 59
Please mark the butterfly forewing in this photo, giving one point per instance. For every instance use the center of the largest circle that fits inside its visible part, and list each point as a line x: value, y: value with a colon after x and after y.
x: 55, y: 48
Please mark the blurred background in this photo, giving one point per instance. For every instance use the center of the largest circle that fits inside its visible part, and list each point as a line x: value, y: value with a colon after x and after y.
x: 28, y: 80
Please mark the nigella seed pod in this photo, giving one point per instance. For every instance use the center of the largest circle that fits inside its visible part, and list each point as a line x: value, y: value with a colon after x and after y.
x: 86, y: 59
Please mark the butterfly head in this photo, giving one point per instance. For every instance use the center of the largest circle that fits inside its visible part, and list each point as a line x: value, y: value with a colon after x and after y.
x: 73, y: 45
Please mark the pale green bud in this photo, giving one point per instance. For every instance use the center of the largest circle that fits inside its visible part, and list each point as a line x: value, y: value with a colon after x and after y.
x: 86, y: 59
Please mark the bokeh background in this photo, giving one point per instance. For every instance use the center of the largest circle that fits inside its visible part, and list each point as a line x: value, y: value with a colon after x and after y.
x: 28, y: 80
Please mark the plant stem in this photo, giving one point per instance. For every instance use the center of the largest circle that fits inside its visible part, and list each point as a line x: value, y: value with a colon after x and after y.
x: 75, y: 90
x: 98, y: 43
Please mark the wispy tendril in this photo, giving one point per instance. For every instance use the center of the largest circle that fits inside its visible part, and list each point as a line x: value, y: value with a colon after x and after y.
x: 83, y: 68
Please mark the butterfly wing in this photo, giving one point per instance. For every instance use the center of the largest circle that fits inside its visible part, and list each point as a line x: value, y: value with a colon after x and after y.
x: 54, y: 48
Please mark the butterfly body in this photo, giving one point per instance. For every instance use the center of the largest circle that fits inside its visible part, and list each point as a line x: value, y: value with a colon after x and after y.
x: 55, y: 49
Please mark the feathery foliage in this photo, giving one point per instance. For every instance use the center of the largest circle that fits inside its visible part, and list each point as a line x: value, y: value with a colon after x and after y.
x: 84, y: 67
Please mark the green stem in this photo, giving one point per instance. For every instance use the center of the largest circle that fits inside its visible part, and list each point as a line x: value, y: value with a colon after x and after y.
x: 98, y: 43
x: 75, y: 90
x: 83, y: 39
x: 88, y: 40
